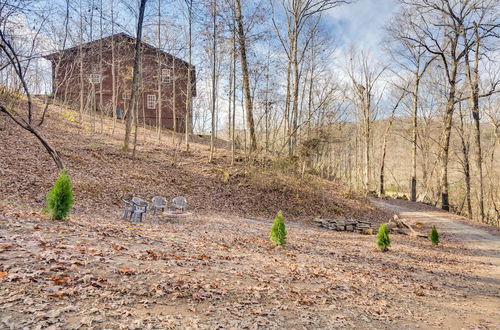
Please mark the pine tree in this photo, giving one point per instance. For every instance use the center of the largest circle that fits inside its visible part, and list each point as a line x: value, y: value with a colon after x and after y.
x: 383, y: 240
x: 60, y: 197
x: 278, y: 231
x: 434, y: 236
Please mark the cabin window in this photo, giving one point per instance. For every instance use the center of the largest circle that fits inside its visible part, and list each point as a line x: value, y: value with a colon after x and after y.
x: 165, y: 75
x: 95, y: 78
x: 151, y: 101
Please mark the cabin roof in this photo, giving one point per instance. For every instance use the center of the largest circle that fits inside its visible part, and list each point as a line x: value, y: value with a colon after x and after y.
x: 122, y: 35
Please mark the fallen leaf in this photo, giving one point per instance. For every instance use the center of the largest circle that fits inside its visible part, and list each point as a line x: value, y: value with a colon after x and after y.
x: 126, y: 271
x: 58, y: 294
x: 420, y: 293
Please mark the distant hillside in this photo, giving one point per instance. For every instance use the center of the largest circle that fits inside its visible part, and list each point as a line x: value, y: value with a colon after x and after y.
x: 398, y: 160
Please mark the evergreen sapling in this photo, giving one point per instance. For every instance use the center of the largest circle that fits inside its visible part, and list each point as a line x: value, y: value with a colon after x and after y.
x: 278, y: 231
x: 60, y: 197
x: 434, y: 236
x: 383, y: 240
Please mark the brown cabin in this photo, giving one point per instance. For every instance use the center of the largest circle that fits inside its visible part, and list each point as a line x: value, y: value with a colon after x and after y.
x: 84, y: 75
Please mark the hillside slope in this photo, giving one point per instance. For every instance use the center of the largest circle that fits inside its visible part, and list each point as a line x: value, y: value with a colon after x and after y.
x: 102, y: 174
x: 215, y: 270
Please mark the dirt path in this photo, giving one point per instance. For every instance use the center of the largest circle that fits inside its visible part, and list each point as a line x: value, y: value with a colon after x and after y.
x: 486, y: 245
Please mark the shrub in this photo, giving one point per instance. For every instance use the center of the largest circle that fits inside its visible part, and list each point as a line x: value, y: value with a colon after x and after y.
x: 434, y: 236
x: 225, y: 177
x: 60, y: 197
x: 383, y: 240
x: 278, y: 231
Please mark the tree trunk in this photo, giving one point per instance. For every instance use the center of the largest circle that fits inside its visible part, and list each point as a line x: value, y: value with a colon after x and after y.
x: 135, y: 78
x: 473, y: 80
x: 295, y: 94
x: 287, y: 127
x: 384, y: 146
x: 214, y: 59
x: 113, y: 74
x: 174, y: 103
x: 233, y: 60
x: 246, y: 80
x: 266, y: 108
x: 101, y: 104
x: 465, y: 163
x: 80, y: 51
x: 159, y: 79
x: 27, y: 126
x: 445, y: 145
x: 189, y: 101
x: 367, y: 134
x: 413, y: 188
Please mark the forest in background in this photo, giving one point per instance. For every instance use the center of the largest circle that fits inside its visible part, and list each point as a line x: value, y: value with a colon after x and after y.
x: 422, y: 119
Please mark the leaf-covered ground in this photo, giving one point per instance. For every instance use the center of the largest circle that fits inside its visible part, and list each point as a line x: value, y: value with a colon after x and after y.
x: 222, y: 272
x: 214, y: 269
x: 103, y: 175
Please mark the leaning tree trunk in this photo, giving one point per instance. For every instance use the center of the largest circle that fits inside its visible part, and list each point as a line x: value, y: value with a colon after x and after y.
x: 26, y: 123
x: 27, y: 126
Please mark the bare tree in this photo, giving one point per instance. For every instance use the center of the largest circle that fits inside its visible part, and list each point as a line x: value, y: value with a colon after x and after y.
x: 214, y: 80
x: 189, y: 92
x: 135, y: 77
x: 465, y: 148
x: 298, y: 13
x: 475, y: 38
x: 364, y: 74
x: 384, y: 143
x: 437, y: 26
x: 414, y: 59
x: 13, y: 59
x: 57, y: 67
x: 246, y: 83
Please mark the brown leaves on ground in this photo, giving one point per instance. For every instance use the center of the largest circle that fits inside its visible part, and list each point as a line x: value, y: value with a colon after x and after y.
x: 97, y: 271
x: 126, y: 271
x: 102, y: 175
x: 209, y: 272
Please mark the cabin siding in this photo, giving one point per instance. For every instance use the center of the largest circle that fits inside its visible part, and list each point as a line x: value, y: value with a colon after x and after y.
x: 66, y: 83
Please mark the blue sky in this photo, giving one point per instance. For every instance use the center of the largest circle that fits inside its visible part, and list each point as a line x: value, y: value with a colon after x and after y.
x: 361, y: 24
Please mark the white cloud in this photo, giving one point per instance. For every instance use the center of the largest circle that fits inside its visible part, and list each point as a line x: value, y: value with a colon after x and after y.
x: 361, y: 24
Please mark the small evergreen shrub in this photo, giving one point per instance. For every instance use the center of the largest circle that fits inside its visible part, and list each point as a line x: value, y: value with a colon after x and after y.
x: 434, y: 236
x: 383, y: 240
x: 225, y: 177
x: 278, y: 231
x: 60, y: 197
